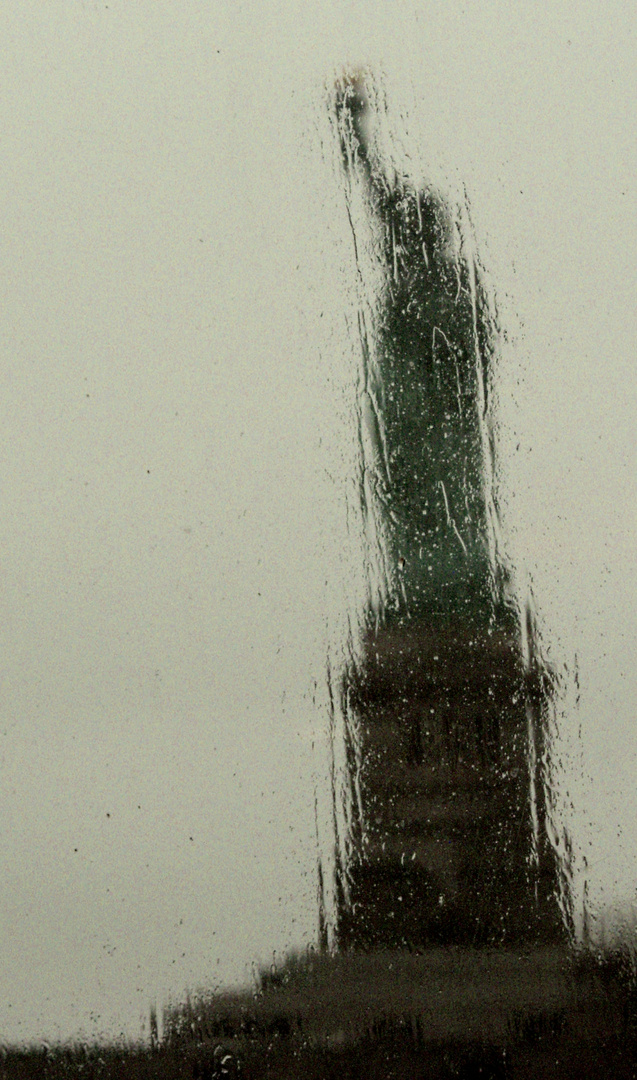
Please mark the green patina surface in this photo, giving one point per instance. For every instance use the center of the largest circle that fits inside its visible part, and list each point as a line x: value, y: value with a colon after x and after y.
x: 424, y: 395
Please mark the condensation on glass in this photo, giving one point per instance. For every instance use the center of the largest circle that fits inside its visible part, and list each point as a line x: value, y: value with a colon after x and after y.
x: 441, y: 709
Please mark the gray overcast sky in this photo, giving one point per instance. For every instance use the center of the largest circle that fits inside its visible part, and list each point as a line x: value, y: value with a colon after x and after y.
x: 174, y: 449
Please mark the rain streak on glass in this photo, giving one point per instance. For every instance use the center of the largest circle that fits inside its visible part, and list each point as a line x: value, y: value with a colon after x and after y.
x: 442, y: 811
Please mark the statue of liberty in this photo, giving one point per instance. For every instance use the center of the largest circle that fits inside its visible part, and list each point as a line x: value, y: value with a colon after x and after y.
x: 445, y: 704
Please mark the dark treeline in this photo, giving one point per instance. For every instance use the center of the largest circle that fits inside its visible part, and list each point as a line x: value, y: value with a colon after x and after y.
x: 440, y: 1015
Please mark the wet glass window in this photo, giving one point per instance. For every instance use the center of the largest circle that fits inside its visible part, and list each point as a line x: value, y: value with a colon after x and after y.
x: 318, y: 510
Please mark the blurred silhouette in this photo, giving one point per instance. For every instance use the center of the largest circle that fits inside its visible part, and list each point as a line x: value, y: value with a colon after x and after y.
x: 444, y: 711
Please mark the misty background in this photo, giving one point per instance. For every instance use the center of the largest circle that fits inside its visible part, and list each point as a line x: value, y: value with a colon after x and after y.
x: 177, y: 444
